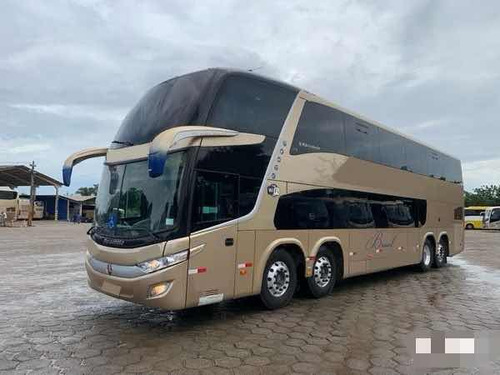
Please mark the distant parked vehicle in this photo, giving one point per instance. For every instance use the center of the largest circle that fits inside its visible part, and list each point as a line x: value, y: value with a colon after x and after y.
x: 24, y: 209
x: 8, y: 202
x: 473, y: 217
x: 491, y: 218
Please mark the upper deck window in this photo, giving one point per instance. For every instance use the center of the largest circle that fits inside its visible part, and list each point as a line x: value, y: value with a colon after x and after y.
x: 320, y: 129
x: 251, y: 105
x: 362, y: 140
x: 325, y: 129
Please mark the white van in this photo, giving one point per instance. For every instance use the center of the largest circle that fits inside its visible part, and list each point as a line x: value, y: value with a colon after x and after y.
x: 491, y: 218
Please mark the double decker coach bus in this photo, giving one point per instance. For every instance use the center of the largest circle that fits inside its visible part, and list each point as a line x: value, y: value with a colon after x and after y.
x: 221, y: 184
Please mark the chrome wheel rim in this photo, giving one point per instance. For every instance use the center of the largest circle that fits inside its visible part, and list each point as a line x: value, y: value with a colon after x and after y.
x: 278, y: 279
x: 427, y: 255
x: 322, y: 271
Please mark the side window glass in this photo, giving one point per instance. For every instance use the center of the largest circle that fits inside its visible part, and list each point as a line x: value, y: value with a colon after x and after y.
x: 495, y: 216
x: 391, y: 149
x: 416, y: 157
x: 251, y: 105
x: 249, y: 190
x: 215, y: 199
x: 435, y: 164
x: 360, y: 215
x: 362, y: 140
x: 320, y: 129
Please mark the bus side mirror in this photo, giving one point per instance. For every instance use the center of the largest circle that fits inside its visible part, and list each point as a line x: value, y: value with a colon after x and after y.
x: 78, y: 157
x: 163, y: 142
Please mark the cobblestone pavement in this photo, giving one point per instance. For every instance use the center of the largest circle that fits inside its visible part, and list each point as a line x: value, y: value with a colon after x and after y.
x: 52, y: 323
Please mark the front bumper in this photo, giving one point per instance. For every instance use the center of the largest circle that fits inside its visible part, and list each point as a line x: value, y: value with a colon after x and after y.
x: 136, y: 289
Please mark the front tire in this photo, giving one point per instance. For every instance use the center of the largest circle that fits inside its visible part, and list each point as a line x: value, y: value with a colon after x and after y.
x: 280, y: 280
x: 324, y: 275
x: 427, y: 256
x: 469, y: 226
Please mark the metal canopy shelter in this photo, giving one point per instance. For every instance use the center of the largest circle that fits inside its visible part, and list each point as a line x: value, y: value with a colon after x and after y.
x: 21, y: 175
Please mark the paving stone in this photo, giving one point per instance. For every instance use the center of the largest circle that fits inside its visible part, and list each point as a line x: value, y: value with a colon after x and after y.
x: 63, y: 327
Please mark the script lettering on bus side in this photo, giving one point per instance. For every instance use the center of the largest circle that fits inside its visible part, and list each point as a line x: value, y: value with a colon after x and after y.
x: 379, y: 242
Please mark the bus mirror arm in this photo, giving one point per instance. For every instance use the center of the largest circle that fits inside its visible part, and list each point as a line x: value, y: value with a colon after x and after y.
x: 78, y: 157
x: 164, y: 141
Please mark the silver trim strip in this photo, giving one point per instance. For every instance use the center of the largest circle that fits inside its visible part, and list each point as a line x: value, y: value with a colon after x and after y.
x: 127, y: 272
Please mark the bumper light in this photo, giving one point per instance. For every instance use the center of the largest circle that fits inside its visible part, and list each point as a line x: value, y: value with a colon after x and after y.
x: 160, y: 263
x: 158, y: 289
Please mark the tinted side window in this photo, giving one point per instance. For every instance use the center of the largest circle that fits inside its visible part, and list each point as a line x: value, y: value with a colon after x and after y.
x: 235, y: 159
x: 391, y: 149
x: 495, y: 216
x: 251, y: 105
x: 215, y: 199
x: 320, y: 129
x: 360, y: 215
x: 248, y: 192
x: 452, y: 169
x: 338, y: 208
x: 416, y: 157
x: 435, y: 164
x: 362, y: 140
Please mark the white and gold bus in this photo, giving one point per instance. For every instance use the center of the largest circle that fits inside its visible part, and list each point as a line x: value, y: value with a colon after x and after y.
x: 8, y: 203
x: 222, y: 184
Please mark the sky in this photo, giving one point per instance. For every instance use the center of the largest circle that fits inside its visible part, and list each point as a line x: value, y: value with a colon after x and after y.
x: 70, y: 70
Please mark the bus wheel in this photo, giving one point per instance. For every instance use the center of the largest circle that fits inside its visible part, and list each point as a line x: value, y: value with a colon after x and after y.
x: 469, y: 226
x: 440, y: 255
x: 280, y: 280
x: 427, y: 256
x: 324, y: 274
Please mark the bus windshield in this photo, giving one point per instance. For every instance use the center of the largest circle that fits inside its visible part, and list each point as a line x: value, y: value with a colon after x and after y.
x: 131, y: 204
x: 8, y: 195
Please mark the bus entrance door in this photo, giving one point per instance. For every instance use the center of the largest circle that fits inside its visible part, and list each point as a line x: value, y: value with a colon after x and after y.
x: 211, y: 264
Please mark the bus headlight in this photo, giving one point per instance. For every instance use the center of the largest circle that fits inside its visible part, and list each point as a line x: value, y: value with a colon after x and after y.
x: 164, y: 262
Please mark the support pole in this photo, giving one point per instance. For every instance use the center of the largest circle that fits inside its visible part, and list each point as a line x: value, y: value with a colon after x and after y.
x: 32, y: 194
x: 56, y: 208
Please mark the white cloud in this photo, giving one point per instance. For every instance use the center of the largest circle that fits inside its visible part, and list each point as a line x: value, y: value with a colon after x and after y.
x: 483, y: 172
x: 74, y: 111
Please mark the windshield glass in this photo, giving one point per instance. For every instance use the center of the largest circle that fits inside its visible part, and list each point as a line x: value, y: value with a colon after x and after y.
x: 132, y: 204
x: 5, y: 194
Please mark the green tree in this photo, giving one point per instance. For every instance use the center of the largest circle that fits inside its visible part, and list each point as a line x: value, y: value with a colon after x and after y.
x: 88, y: 191
x: 486, y: 195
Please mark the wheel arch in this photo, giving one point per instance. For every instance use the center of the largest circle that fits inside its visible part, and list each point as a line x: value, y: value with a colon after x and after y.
x: 295, y: 247
x: 334, y: 244
x: 431, y: 237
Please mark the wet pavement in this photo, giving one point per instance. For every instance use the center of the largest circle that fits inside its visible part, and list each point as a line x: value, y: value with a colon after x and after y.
x: 52, y: 323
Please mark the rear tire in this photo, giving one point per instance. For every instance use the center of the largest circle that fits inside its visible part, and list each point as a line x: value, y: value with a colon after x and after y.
x: 469, y: 226
x: 440, y: 254
x: 427, y: 256
x: 279, y: 280
x: 324, y: 275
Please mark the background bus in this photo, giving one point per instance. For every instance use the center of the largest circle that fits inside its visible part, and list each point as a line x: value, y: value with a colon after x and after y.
x: 492, y: 218
x: 473, y: 217
x: 24, y: 209
x: 8, y: 203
